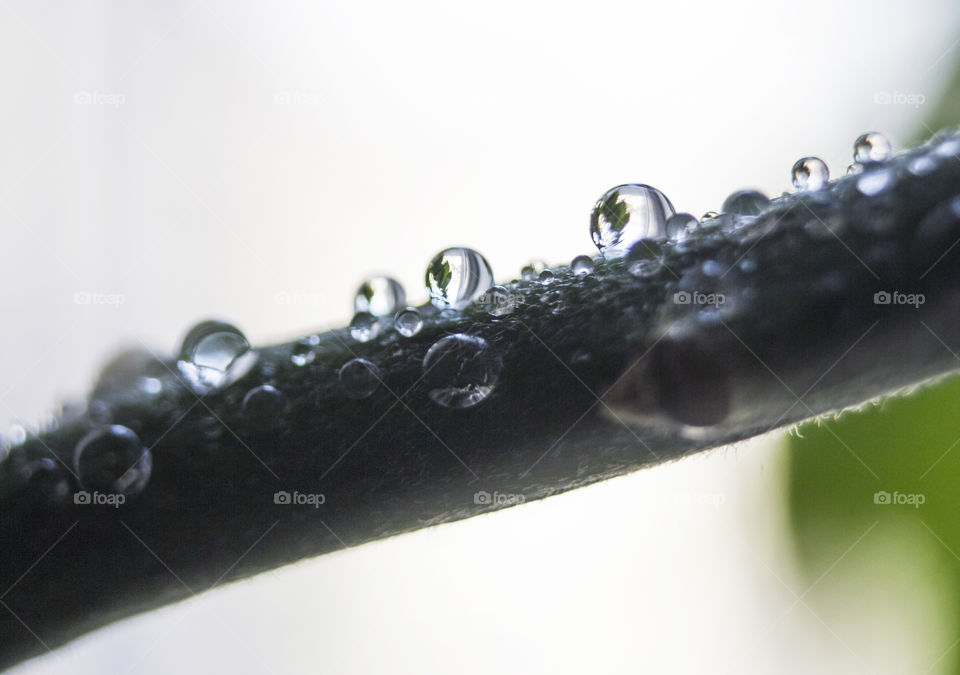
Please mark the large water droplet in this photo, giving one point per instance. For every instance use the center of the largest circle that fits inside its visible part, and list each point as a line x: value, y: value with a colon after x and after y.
x: 582, y: 265
x: 380, y: 296
x: 746, y: 203
x: 809, y: 173
x: 264, y: 406
x: 872, y: 147
x: 645, y: 258
x: 461, y: 370
x: 364, y: 327
x: 359, y: 378
x: 112, y: 460
x: 408, y: 322
x: 457, y: 276
x: 626, y: 214
x: 213, y: 354
x: 302, y: 352
x: 681, y: 226
x: 498, y: 301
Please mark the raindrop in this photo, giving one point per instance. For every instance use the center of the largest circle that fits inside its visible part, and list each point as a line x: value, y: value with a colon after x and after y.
x: 457, y: 276
x: 150, y: 385
x: 855, y: 169
x: 746, y: 203
x: 264, y: 405
x: 461, y: 370
x: 498, y: 301
x: 921, y: 166
x: 874, y: 182
x: 213, y: 354
x: 709, y: 215
x: 408, y: 322
x: 582, y: 265
x: 380, y: 296
x: 871, y: 147
x: 681, y: 226
x: 809, y: 173
x: 302, y: 352
x: 546, y: 277
x: 626, y: 214
x: 532, y: 270
x: 112, y: 459
x: 359, y: 378
x: 645, y: 258
x: 364, y: 327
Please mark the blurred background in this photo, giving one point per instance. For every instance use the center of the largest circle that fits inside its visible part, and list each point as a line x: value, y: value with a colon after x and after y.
x: 162, y: 163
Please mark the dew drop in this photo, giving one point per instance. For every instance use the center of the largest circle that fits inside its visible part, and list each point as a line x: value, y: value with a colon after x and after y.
x: 149, y: 385
x: 626, y: 214
x: 112, y: 459
x: 380, y: 296
x: 746, y: 203
x: 359, y: 378
x: 582, y: 265
x: 461, y: 371
x: 681, y: 226
x: 302, y: 352
x: 532, y: 270
x: 457, y: 276
x: 17, y: 434
x: 46, y: 481
x: 408, y: 322
x: 709, y: 215
x: 921, y: 166
x: 809, y: 173
x: 498, y: 301
x: 855, y: 169
x: 546, y: 277
x: 871, y: 147
x: 264, y: 405
x: 645, y: 258
x: 213, y: 354
x: 874, y: 182
x: 364, y: 327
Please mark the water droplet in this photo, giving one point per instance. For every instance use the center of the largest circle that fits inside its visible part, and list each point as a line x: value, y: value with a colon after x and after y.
x: 302, y: 352
x: 746, y: 203
x: 380, y: 296
x: 264, y: 406
x: 628, y: 213
x: 921, y: 166
x: 112, y: 459
x: 681, y: 226
x: 46, y: 481
x: 645, y: 258
x: 461, y: 370
x: 871, y: 147
x: 17, y: 434
x: 149, y: 385
x: 855, y: 169
x: 213, y: 354
x: 809, y: 173
x: 532, y: 270
x: 359, y: 378
x: 498, y: 301
x: 457, y: 276
x: 874, y: 182
x: 408, y: 322
x: 364, y: 327
x: 546, y: 277
x: 709, y: 215
x: 582, y: 265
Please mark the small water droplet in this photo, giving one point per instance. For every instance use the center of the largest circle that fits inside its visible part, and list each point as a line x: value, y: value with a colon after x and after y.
x: 213, y: 354
x: 46, y: 481
x: 809, y: 173
x: 149, y: 385
x: 17, y: 434
x: 921, y: 166
x: 871, y: 147
x: 498, y: 301
x: 874, y: 182
x: 457, y: 276
x: 112, y: 460
x: 380, y: 296
x: 364, y: 327
x: 746, y: 203
x: 461, y: 370
x: 359, y: 378
x: 264, y: 406
x: 302, y: 352
x: 582, y: 265
x: 532, y: 270
x: 626, y: 214
x: 855, y: 169
x: 709, y: 215
x: 408, y: 322
x: 681, y: 226
x: 546, y: 277
x: 645, y: 258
